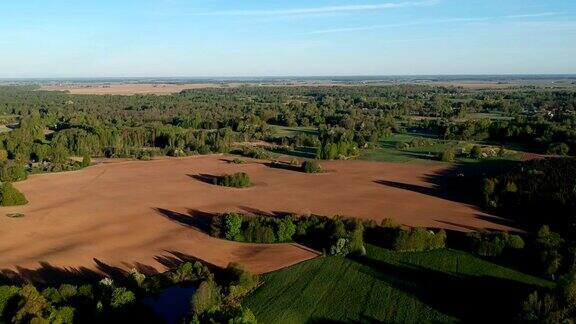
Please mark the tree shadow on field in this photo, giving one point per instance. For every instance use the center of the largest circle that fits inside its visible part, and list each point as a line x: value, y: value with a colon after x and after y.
x: 283, y: 166
x: 260, y: 212
x: 476, y: 299
x: 206, y: 178
x: 50, y: 275
x: 194, y: 218
x: 462, y: 183
x: 173, y: 259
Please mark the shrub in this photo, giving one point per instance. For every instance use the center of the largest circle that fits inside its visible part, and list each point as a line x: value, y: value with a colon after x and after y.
x: 10, y: 196
x: 236, y: 180
x: 448, y: 155
x: 390, y: 223
x: 418, y: 239
x: 311, y: 166
x: 256, y: 153
x: 86, y: 160
x: 476, y: 152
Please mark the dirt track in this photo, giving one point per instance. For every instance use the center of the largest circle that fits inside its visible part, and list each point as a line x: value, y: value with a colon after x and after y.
x: 135, y: 213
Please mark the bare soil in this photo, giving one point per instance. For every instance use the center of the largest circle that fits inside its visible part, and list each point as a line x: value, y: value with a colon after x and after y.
x: 145, y: 214
x: 128, y: 89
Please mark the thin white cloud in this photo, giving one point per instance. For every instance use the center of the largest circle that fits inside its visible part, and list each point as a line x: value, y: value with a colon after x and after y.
x: 430, y: 22
x: 320, y: 10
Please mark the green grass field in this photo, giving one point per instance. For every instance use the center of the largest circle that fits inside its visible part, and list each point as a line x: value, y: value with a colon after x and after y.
x: 387, y: 151
x: 429, y: 287
x: 284, y: 131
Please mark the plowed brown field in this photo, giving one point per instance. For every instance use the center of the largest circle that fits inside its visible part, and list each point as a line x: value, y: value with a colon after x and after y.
x: 125, y: 214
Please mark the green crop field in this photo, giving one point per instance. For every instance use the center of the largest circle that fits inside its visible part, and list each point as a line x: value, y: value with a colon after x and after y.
x: 438, y: 286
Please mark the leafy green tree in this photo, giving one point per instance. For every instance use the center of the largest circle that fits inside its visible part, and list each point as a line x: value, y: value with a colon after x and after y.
x: 32, y: 305
x: 68, y: 291
x: 7, y: 295
x: 232, y: 226
x: 121, y: 297
x: 241, y: 281
x: 243, y: 316
x: 62, y: 315
x: 52, y: 295
x: 206, y: 298
x: 286, y: 230
x: 559, y: 149
x: 12, y: 171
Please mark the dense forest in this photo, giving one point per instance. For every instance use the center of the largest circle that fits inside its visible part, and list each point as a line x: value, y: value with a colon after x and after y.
x: 51, y: 126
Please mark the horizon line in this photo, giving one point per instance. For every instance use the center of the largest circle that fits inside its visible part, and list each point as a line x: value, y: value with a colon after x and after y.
x: 568, y: 74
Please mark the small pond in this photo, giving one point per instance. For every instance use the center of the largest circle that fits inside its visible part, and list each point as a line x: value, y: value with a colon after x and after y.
x: 172, y: 303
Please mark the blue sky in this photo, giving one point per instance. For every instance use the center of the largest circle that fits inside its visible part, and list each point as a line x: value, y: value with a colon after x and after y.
x: 123, y: 38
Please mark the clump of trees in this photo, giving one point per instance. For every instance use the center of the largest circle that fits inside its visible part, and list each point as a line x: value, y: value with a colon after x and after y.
x: 418, y: 239
x: 337, y: 151
x: 534, y: 190
x: 220, y: 304
x: 311, y: 166
x: 11, y: 171
x: 254, y: 229
x: 217, y: 299
x: 10, y: 196
x: 335, y: 236
x: 494, y: 244
x: 236, y: 180
x: 555, y: 306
